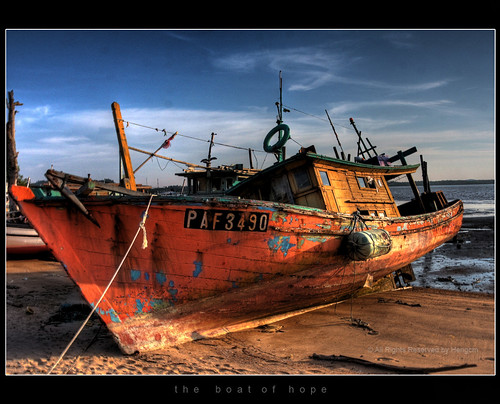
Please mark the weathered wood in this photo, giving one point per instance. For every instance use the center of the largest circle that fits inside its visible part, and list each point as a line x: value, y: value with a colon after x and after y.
x: 405, y: 153
x: 337, y: 136
x: 413, y: 184
x: 425, y: 176
x: 361, y: 142
x: 129, y: 179
x: 336, y: 152
x: 66, y: 192
x: 167, y: 158
x: 97, y: 184
x: 86, y: 189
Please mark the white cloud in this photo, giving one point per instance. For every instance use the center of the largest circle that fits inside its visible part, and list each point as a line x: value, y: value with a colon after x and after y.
x: 312, y: 67
x: 58, y: 140
x: 346, y: 107
x: 393, y: 87
x: 85, y: 141
x: 401, y: 39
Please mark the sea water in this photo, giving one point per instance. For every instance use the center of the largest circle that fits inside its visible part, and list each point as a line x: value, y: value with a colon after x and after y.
x: 443, y: 268
x: 478, y: 199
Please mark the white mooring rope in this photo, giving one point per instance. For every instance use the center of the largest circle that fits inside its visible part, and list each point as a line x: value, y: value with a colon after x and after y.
x: 144, y: 245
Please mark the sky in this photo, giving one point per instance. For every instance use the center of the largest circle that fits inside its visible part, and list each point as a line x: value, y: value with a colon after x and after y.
x: 433, y: 89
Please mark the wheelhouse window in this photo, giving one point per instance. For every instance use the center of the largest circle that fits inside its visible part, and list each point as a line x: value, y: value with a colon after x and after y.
x: 301, y: 179
x: 324, y: 178
x: 366, y: 182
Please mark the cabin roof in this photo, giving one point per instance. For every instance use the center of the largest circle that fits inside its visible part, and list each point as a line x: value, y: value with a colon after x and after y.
x: 218, y: 171
x: 391, y: 171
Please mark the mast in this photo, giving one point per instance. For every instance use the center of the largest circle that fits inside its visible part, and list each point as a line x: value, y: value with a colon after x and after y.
x: 209, y: 159
x: 280, y: 108
x: 128, y: 181
x: 337, y: 136
x: 280, y: 154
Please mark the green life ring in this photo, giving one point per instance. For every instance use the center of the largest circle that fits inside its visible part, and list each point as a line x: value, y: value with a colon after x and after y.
x: 281, y: 142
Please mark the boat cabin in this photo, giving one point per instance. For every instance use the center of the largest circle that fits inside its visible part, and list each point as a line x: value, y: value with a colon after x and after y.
x: 317, y: 181
x: 215, y: 180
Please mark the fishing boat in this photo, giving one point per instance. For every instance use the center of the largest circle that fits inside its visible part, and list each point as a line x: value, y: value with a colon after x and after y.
x: 304, y: 233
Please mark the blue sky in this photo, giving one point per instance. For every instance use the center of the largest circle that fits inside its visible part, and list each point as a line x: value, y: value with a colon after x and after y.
x: 433, y: 89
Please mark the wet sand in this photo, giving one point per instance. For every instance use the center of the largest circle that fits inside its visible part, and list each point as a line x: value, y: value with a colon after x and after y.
x: 418, y: 327
x: 467, y: 265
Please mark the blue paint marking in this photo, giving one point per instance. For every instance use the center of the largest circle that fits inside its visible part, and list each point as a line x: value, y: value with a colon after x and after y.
x: 197, y: 268
x: 266, y: 208
x: 146, y: 276
x: 135, y: 274
x: 112, y: 313
x: 161, y: 278
x: 156, y: 303
x: 280, y: 243
x: 140, y: 305
x: 316, y: 239
x: 173, y: 293
x: 114, y: 316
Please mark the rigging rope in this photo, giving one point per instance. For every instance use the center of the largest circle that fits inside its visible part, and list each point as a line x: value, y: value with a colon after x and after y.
x: 144, y: 245
x: 190, y: 137
x: 317, y: 117
x: 224, y: 144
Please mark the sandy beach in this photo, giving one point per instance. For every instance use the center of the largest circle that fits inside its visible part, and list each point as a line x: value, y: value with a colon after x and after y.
x: 422, y: 327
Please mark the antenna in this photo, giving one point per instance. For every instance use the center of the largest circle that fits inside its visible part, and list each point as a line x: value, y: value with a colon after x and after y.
x: 280, y: 154
x: 337, y: 136
x: 279, y: 105
x: 208, y: 160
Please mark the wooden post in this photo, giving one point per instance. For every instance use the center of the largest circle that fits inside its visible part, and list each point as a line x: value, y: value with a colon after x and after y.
x: 360, y: 141
x: 413, y: 185
x: 337, y: 136
x: 12, y: 169
x: 425, y: 176
x: 336, y: 152
x: 129, y: 179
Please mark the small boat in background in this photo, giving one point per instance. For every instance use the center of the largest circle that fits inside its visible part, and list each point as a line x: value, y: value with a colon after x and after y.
x: 22, y: 239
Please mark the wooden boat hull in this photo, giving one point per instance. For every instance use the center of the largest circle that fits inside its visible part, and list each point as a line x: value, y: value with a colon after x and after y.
x: 23, y: 240
x: 217, y: 265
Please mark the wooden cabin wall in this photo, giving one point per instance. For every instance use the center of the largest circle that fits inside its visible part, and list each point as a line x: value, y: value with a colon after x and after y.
x: 325, y: 186
x: 295, y: 184
x: 305, y: 187
x: 347, y: 191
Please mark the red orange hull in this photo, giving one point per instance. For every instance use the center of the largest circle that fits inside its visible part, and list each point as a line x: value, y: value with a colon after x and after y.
x: 216, y: 265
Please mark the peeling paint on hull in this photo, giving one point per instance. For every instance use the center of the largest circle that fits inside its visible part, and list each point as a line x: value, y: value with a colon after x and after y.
x: 236, y: 264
